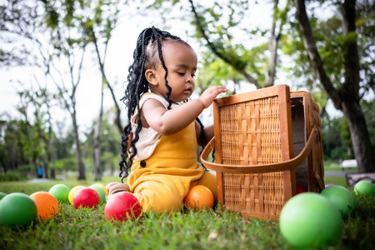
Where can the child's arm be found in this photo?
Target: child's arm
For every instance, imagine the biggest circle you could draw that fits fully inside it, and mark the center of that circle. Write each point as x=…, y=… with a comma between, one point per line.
x=171, y=121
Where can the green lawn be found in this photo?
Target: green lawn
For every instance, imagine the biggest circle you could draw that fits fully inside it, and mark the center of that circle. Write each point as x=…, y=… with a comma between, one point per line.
x=214, y=229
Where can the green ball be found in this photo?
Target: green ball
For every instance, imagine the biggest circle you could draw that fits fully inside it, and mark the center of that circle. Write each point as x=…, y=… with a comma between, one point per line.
x=310, y=220
x=17, y=209
x=2, y=195
x=364, y=188
x=343, y=199
x=61, y=192
x=100, y=192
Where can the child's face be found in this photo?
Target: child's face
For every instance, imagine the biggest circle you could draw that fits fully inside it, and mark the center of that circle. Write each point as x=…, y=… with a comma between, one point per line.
x=181, y=62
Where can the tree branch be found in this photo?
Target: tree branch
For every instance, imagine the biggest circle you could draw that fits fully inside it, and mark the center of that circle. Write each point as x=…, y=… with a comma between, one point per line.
x=105, y=80
x=313, y=54
x=217, y=52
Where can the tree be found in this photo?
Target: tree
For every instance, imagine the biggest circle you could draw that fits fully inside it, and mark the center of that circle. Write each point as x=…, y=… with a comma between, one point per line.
x=29, y=136
x=38, y=103
x=345, y=94
x=334, y=140
x=98, y=21
x=69, y=48
x=73, y=25
x=59, y=55
x=109, y=135
x=10, y=148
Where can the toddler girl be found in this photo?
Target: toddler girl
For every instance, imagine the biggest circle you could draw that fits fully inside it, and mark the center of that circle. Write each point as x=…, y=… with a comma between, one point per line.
x=159, y=145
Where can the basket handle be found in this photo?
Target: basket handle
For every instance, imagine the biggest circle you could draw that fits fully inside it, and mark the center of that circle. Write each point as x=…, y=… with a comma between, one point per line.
x=265, y=168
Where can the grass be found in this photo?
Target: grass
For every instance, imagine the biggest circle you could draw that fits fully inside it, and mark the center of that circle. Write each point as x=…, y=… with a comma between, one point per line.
x=214, y=229
x=337, y=181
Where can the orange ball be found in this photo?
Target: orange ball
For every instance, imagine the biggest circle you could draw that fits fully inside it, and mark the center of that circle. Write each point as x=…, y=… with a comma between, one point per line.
x=199, y=197
x=47, y=204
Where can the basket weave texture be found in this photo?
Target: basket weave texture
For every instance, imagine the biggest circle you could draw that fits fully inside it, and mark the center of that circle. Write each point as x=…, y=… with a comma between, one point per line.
x=250, y=135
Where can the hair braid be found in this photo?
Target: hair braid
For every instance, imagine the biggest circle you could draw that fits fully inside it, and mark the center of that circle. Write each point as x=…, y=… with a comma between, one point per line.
x=160, y=52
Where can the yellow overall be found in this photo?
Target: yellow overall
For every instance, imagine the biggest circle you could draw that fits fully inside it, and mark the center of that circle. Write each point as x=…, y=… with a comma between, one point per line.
x=162, y=181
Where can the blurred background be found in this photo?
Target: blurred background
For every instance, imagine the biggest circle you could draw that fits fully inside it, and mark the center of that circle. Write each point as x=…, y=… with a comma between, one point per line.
x=64, y=63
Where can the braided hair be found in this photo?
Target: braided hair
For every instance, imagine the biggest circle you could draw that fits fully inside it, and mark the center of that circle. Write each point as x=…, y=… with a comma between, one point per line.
x=149, y=43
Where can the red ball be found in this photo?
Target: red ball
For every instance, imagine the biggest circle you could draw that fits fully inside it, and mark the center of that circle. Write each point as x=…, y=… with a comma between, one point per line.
x=122, y=206
x=86, y=197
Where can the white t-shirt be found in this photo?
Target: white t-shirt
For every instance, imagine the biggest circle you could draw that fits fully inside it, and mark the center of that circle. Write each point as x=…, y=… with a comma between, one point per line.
x=148, y=138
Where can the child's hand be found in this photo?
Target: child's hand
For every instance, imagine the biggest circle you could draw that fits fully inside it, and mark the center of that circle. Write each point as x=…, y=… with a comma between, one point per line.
x=209, y=95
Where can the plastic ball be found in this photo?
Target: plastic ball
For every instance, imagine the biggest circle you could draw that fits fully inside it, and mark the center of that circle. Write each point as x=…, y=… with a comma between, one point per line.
x=328, y=185
x=72, y=192
x=61, y=192
x=109, y=185
x=47, y=204
x=2, y=195
x=86, y=197
x=364, y=188
x=17, y=209
x=121, y=207
x=310, y=220
x=101, y=193
x=102, y=186
x=199, y=197
x=343, y=199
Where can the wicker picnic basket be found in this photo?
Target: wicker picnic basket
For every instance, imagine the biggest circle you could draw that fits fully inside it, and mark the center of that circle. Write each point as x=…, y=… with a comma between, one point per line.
x=254, y=157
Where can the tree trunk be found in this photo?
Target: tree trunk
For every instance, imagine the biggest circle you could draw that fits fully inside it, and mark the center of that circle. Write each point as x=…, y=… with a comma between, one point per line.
x=101, y=62
x=347, y=98
x=49, y=156
x=53, y=174
x=273, y=45
x=3, y=165
x=360, y=137
x=97, y=150
x=80, y=165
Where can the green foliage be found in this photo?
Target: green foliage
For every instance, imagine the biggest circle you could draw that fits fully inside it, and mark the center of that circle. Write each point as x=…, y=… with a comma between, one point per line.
x=10, y=147
x=330, y=40
x=69, y=163
x=336, y=139
x=12, y=176
x=369, y=111
x=27, y=168
x=52, y=17
x=21, y=144
x=215, y=72
x=237, y=46
x=337, y=143
x=109, y=144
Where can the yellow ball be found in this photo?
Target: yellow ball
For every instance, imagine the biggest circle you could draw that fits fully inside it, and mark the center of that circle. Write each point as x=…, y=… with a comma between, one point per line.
x=72, y=192
x=102, y=186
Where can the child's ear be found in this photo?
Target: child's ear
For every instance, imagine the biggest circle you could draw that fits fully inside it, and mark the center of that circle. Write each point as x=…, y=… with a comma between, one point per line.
x=150, y=75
